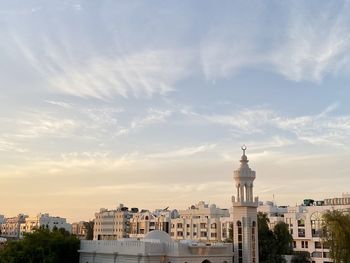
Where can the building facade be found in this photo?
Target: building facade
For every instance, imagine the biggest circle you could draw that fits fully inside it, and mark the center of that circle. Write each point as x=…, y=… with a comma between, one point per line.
x=245, y=229
x=11, y=227
x=112, y=224
x=201, y=222
x=144, y=222
x=305, y=223
x=43, y=221
x=79, y=229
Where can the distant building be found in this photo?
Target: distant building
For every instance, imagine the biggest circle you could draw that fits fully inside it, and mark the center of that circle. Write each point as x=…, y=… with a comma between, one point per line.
x=145, y=221
x=305, y=224
x=157, y=246
x=112, y=224
x=11, y=227
x=79, y=229
x=43, y=220
x=200, y=222
x=2, y=219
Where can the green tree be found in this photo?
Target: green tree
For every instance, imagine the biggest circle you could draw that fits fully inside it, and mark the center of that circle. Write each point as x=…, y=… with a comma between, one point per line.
x=283, y=239
x=273, y=244
x=337, y=235
x=301, y=257
x=42, y=246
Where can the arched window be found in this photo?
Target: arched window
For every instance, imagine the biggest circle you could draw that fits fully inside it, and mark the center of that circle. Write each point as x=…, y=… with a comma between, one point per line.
x=253, y=241
x=240, y=241
x=316, y=224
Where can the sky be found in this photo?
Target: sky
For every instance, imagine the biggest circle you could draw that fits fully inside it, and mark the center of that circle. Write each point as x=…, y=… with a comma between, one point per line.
x=147, y=103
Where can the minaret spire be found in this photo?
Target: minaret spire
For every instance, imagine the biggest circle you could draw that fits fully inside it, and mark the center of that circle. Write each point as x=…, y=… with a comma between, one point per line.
x=245, y=233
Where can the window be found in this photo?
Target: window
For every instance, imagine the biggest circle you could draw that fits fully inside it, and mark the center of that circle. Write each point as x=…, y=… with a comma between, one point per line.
x=213, y=234
x=203, y=234
x=318, y=244
x=301, y=223
x=179, y=225
x=316, y=224
x=203, y=225
x=294, y=244
x=213, y=226
x=301, y=232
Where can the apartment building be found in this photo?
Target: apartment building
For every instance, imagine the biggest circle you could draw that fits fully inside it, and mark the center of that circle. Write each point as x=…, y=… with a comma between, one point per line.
x=11, y=227
x=112, y=224
x=199, y=222
x=79, y=229
x=43, y=220
x=145, y=221
x=305, y=223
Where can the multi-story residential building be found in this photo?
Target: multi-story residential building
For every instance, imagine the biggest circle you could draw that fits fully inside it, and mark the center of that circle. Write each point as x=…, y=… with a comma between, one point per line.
x=145, y=221
x=43, y=220
x=199, y=222
x=305, y=224
x=11, y=227
x=112, y=224
x=79, y=229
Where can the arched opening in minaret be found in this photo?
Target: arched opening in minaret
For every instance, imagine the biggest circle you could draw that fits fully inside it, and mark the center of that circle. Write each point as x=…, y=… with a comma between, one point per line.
x=240, y=241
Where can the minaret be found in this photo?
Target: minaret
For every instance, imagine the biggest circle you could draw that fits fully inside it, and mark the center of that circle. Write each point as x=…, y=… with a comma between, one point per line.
x=245, y=227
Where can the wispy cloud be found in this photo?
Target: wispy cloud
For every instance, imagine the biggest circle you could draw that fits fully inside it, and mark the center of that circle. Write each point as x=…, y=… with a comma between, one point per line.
x=183, y=152
x=314, y=44
x=153, y=116
x=319, y=129
x=8, y=146
x=146, y=73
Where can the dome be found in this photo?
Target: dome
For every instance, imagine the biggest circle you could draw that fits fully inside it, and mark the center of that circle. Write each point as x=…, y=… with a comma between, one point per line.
x=158, y=235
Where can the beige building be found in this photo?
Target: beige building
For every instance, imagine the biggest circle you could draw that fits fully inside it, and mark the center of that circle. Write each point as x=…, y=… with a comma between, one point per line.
x=200, y=222
x=79, y=229
x=11, y=227
x=145, y=221
x=112, y=224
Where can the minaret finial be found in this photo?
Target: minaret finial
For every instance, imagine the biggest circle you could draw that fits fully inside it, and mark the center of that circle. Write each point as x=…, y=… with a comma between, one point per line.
x=244, y=147
x=244, y=158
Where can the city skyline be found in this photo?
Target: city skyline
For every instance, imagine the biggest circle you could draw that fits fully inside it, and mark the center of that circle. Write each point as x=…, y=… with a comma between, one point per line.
x=148, y=104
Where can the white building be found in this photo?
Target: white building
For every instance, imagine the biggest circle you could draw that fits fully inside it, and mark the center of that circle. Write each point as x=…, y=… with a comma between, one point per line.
x=156, y=247
x=245, y=231
x=112, y=224
x=43, y=220
x=200, y=222
x=305, y=223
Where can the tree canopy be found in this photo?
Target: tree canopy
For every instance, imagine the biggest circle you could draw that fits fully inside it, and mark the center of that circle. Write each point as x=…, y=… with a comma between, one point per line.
x=337, y=235
x=273, y=243
x=42, y=246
